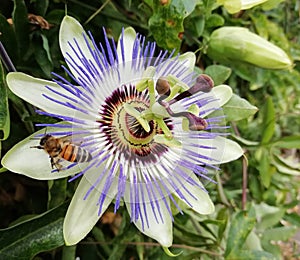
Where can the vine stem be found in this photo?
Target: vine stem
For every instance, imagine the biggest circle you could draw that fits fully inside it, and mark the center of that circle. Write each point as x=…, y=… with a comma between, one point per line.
x=245, y=171
x=110, y=15
x=6, y=59
x=152, y=244
x=245, y=183
x=97, y=12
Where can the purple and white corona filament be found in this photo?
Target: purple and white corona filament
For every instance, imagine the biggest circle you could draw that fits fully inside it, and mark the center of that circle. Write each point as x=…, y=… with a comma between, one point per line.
x=144, y=120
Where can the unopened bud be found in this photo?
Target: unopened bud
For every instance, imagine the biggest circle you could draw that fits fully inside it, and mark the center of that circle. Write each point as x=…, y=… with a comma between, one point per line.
x=237, y=44
x=234, y=6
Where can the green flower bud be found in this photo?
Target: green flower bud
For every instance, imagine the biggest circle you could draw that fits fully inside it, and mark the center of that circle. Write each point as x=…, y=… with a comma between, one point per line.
x=237, y=44
x=234, y=6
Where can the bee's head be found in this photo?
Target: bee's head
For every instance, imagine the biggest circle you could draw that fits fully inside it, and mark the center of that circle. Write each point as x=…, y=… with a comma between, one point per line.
x=44, y=139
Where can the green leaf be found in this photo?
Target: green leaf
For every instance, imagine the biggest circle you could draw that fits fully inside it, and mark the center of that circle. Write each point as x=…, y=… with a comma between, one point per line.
x=238, y=108
x=279, y=233
x=68, y=252
x=288, y=142
x=218, y=73
x=270, y=4
x=286, y=166
x=8, y=38
x=223, y=218
x=268, y=121
x=42, y=53
x=253, y=255
x=21, y=26
x=100, y=237
x=192, y=237
x=195, y=26
x=271, y=219
x=56, y=192
x=264, y=209
x=41, y=233
x=4, y=111
x=260, y=22
x=245, y=141
x=214, y=20
x=241, y=225
x=253, y=242
x=262, y=155
x=41, y=7
x=166, y=24
x=22, y=110
x=119, y=244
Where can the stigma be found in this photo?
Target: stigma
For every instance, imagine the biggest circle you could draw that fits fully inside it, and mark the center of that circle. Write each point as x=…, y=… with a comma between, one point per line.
x=168, y=91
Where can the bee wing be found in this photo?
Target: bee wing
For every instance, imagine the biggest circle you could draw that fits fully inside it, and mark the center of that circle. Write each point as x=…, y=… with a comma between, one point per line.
x=71, y=139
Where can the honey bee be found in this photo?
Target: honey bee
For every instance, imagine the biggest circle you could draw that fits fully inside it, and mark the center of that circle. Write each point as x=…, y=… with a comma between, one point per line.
x=62, y=148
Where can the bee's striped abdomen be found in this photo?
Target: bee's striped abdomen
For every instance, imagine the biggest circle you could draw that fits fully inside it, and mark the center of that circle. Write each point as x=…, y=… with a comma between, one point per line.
x=82, y=155
x=73, y=153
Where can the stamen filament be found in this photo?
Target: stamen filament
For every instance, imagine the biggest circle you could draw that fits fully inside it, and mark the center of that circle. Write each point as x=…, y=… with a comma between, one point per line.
x=151, y=92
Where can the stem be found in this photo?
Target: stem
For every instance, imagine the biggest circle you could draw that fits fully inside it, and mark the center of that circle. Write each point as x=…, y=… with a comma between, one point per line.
x=245, y=183
x=116, y=16
x=221, y=190
x=97, y=12
x=153, y=244
x=6, y=59
x=245, y=172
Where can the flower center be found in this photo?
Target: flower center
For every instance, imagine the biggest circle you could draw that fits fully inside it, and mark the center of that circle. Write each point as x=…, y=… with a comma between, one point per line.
x=124, y=133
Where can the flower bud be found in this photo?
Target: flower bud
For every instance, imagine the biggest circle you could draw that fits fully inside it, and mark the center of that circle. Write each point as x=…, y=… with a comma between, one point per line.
x=234, y=6
x=237, y=44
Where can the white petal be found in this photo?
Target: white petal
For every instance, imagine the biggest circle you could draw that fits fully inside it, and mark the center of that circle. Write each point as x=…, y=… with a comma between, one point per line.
x=198, y=199
x=223, y=93
x=83, y=214
x=35, y=163
x=224, y=150
x=128, y=41
x=71, y=29
x=183, y=64
x=189, y=60
x=220, y=95
x=232, y=151
x=33, y=90
x=161, y=232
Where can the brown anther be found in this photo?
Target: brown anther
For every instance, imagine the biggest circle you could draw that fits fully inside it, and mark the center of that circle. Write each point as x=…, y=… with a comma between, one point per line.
x=162, y=86
x=197, y=123
x=205, y=83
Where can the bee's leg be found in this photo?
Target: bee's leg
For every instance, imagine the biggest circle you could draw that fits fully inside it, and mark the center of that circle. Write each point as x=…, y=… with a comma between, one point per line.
x=55, y=162
x=52, y=161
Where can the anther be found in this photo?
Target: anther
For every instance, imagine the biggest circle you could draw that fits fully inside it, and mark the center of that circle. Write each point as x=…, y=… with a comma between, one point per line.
x=162, y=87
x=203, y=83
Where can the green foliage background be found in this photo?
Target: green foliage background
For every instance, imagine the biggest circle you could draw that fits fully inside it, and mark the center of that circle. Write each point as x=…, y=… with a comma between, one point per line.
x=256, y=198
